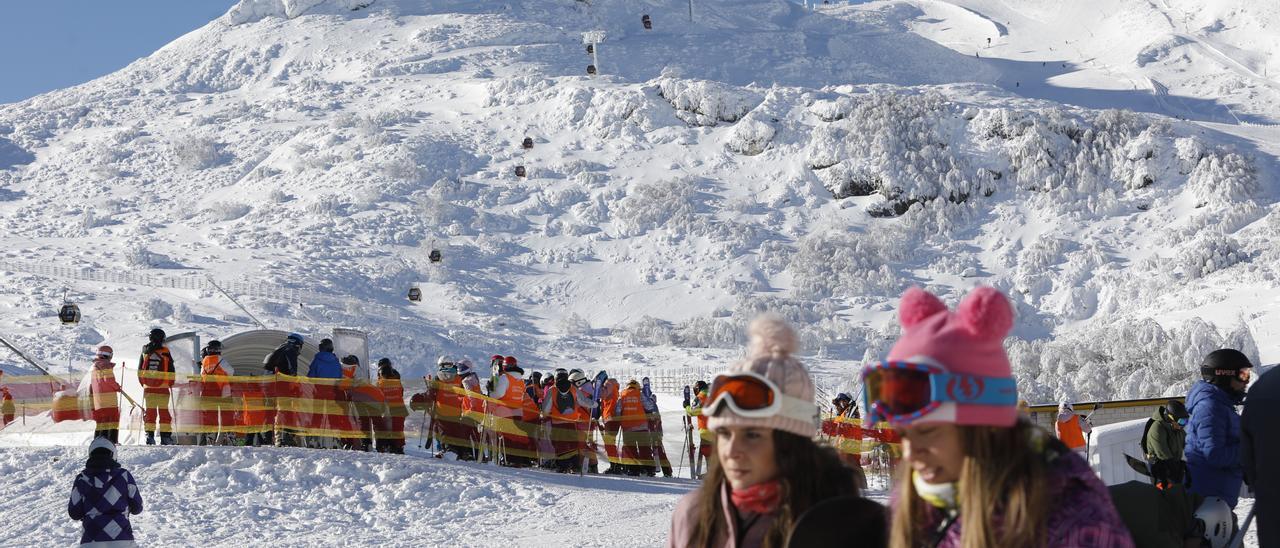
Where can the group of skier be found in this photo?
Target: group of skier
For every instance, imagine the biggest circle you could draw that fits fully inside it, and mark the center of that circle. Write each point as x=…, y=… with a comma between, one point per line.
x=975, y=470
x=555, y=421
x=345, y=411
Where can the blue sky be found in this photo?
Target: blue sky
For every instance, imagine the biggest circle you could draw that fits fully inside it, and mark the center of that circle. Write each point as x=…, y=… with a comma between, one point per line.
x=51, y=44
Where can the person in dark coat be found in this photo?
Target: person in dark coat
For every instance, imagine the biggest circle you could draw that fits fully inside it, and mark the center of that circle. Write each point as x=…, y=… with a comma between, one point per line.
x=102, y=498
x=284, y=359
x=1158, y=518
x=1164, y=441
x=1213, y=433
x=1260, y=455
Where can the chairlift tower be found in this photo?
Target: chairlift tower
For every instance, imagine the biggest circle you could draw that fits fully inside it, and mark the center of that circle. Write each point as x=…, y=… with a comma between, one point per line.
x=593, y=39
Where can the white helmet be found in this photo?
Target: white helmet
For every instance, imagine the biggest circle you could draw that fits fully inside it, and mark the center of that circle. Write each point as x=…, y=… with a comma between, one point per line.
x=102, y=443
x=577, y=376
x=444, y=360
x=1218, y=522
x=465, y=367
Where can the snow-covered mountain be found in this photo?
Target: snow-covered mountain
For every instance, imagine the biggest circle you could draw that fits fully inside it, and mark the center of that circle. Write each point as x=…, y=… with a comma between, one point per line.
x=759, y=156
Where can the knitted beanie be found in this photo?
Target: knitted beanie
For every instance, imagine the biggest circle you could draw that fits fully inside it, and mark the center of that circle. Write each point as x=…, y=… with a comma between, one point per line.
x=772, y=342
x=969, y=340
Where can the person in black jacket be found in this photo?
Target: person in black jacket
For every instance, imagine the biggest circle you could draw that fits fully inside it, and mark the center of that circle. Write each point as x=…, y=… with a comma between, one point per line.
x=1260, y=454
x=284, y=361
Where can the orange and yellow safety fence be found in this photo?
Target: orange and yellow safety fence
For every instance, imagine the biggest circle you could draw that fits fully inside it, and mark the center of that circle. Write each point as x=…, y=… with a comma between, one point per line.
x=855, y=438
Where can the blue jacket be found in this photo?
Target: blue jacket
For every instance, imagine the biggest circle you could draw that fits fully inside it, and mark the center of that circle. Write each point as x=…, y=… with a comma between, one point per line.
x=1213, y=443
x=325, y=366
x=102, y=499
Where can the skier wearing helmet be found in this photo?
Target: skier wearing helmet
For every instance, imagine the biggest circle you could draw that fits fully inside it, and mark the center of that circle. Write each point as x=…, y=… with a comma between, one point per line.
x=975, y=472
x=105, y=393
x=156, y=375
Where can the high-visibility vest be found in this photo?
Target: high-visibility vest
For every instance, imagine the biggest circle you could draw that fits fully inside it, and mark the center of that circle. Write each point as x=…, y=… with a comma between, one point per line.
x=573, y=414
x=451, y=399
x=1070, y=433
x=609, y=400
x=393, y=393
x=630, y=409
x=211, y=366
x=158, y=368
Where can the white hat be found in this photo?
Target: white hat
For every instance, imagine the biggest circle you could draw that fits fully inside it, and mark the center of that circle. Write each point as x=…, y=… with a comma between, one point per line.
x=102, y=443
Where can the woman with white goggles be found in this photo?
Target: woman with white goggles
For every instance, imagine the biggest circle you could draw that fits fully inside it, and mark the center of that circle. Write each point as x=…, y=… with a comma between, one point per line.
x=768, y=483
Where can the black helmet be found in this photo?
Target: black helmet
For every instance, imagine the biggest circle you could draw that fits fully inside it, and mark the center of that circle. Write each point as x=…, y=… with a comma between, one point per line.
x=326, y=345
x=351, y=359
x=1176, y=410
x=699, y=386
x=157, y=335
x=1223, y=365
x=384, y=362
x=214, y=346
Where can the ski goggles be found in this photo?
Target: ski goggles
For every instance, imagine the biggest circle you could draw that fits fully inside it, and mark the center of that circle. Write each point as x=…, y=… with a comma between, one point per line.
x=752, y=395
x=1181, y=422
x=902, y=392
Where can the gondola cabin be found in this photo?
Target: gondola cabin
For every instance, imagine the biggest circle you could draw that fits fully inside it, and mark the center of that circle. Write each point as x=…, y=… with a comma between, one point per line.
x=69, y=314
x=435, y=256
x=528, y=143
x=591, y=49
x=591, y=70
x=647, y=22
x=520, y=172
x=415, y=294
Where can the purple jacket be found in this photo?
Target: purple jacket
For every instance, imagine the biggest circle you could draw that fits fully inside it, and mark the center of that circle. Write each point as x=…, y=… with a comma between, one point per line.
x=1083, y=514
x=102, y=499
x=752, y=537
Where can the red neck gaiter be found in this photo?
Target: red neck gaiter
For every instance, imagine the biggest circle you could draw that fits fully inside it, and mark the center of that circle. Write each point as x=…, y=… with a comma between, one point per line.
x=761, y=498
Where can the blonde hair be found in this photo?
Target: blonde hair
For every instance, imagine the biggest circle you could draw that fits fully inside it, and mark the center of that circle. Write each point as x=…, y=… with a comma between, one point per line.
x=1002, y=484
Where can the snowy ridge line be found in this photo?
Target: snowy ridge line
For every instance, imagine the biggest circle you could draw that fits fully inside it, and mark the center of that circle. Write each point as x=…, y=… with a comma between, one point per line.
x=199, y=283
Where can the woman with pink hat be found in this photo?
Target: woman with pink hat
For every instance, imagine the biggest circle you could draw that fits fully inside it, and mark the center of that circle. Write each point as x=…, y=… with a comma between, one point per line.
x=974, y=472
x=765, y=471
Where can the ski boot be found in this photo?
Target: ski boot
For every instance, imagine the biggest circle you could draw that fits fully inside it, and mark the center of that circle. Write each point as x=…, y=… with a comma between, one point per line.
x=151, y=438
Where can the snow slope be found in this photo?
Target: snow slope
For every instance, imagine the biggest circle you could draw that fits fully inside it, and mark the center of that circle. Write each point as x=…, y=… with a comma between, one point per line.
x=298, y=497
x=762, y=157
x=1193, y=59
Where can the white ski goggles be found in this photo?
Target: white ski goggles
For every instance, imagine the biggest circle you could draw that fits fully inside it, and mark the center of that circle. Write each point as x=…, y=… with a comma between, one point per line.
x=752, y=395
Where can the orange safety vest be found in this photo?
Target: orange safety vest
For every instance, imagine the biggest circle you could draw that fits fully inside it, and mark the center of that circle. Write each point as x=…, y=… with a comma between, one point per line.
x=159, y=368
x=571, y=416
x=702, y=407
x=513, y=399
x=630, y=409
x=254, y=407
x=393, y=393
x=211, y=366
x=609, y=400
x=451, y=399
x=1070, y=433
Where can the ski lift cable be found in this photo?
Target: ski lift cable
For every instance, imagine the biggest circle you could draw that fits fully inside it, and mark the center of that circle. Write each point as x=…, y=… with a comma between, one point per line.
x=237, y=303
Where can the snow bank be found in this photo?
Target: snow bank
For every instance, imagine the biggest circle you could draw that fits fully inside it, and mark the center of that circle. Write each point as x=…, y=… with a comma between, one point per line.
x=297, y=497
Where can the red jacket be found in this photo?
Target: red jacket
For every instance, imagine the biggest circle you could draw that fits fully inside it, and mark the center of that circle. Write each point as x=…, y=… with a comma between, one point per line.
x=158, y=368
x=104, y=391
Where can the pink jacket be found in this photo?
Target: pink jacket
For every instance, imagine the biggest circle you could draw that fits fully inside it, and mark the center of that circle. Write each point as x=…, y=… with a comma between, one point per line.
x=752, y=537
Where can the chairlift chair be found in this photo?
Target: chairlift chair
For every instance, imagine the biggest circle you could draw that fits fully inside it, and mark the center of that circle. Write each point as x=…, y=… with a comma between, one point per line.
x=415, y=294
x=69, y=314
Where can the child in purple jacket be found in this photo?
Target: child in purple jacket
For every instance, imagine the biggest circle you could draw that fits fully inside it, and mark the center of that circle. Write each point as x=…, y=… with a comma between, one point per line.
x=102, y=497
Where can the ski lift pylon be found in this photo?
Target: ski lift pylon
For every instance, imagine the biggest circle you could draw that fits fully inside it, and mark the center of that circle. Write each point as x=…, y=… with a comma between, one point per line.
x=415, y=294
x=69, y=314
x=647, y=22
